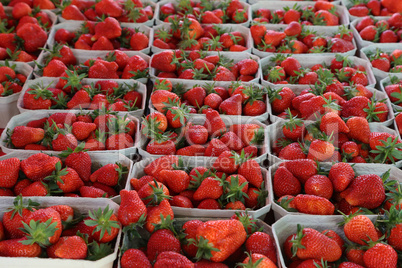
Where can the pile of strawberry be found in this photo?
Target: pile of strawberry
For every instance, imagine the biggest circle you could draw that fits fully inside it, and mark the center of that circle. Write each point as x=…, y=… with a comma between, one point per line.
x=189, y=34
x=198, y=65
x=103, y=35
x=176, y=134
x=387, y=62
x=362, y=8
x=99, y=130
x=11, y=81
x=331, y=139
x=381, y=31
x=23, y=32
x=155, y=236
x=123, y=11
x=366, y=244
x=322, y=13
x=232, y=11
x=315, y=101
x=302, y=186
x=56, y=232
x=342, y=71
x=41, y=4
x=71, y=92
x=298, y=39
x=44, y=175
x=233, y=182
x=115, y=65
x=394, y=90
x=236, y=99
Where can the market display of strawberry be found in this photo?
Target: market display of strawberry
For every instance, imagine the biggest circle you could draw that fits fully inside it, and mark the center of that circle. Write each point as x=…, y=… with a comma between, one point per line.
x=71, y=92
x=100, y=130
x=356, y=101
x=386, y=62
x=103, y=35
x=331, y=139
x=176, y=134
x=114, y=65
x=302, y=186
x=189, y=34
x=341, y=72
x=23, y=32
x=322, y=13
x=297, y=38
x=236, y=184
x=380, y=31
x=237, y=98
x=11, y=81
x=123, y=11
x=57, y=232
x=44, y=175
x=199, y=65
x=155, y=236
x=368, y=243
x=206, y=12
x=362, y=8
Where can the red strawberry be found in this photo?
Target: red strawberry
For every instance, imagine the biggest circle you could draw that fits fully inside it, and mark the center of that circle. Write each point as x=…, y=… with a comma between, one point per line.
x=134, y=258
x=39, y=166
x=68, y=247
x=9, y=169
x=284, y=183
x=132, y=209
x=161, y=241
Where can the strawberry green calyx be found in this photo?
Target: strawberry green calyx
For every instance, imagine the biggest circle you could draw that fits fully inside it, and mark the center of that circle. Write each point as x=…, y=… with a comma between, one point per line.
x=79, y=148
x=197, y=179
x=386, y=222
x=285, y=202
x=97, y=251
x=293, y=122
x=250, y=263
x=73, y=80
x=39, y=232
x=250, y=224
x=101, y=220
x=234, y=191
x=18, y=206
x=296, y=242
x=204, y=248
x=41, y=91
x=166, y=223
x=121, y=170
x=390, y=150
x=157, y=195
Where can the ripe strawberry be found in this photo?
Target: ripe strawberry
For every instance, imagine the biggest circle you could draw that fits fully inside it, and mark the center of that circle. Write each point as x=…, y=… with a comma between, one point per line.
x=164, y=162
x=160, y=97
x=311, y=244
x=214, y=124
x=22, y=136
x=33, y=35
x=9, y=170
x=164, y=61
x=92, y=192
x=176, y=180
x=43, y=216
x=359, y=229
x=274, y=38
x=359, y=129
x=227, y=162
x=365, y=191
x=341, y=174
x=109, y=174
x=281, y=99
x=319, y=185
x=68, y=247
x=262, y=243
x=210, y=188
x=332, y=123
x=161, y=241
x=134, y=258
x=251, y=170
x=291, y=65
x=66, y=179
x=380, y=255
x=19, y=248
x=312, y=204
x=39, y=166
x=284, y=183
x=320, y=150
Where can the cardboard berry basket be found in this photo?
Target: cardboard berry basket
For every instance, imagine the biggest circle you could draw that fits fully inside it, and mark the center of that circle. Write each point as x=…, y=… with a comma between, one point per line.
x=274, y=132
x=98, y=160
x=180, y=221
x=385, y=47
x=188, y=84
x=235, y=56
x=321, y=31
x=74, y=26
x=215, y=3
x=310, y=61
x=359, y=40
x=23, y=119
x=379, y=95
x=387, y=81
x=360, y=169
x=83, y=56
x=81, y=205
x=227, y=27
x=51, y=81
x=274, y=5
x=148, y=23
x=8, y=104
x=287, y=226
x=200, y=120
x=138, y=172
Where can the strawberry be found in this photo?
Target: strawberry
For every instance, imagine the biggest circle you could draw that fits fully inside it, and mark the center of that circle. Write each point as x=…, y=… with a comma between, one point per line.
x=82, y=130
x=19, y=248
x=281, y=99
x=176, y=180
x=162, y=241
x=109, y=174
x=312, y=204
x=190, y=230
x=48, y=216
x=215, y=148
x=92, y=192
x=320, y=150
x=164, y=162
x=9, y=172
x=359, y=229
x=319, y=185
x=232, y=105
x=68, y=247
x=39, y=166
x=196, y=134
x=164, y=61
x=341, y=174
x=33, y=35
x=232, y=141
x=380, y=255
x=64, y=140
x=227, y=162
x=160, y=214
x=210, y=188
x=307, y=244
x=252, y=172
x=161, y=98
x=359, y=129
x=66, y=179
x=132, y=209
x=214, y=124
x=134, y=258
x=274, y=38
x=262, y=243
x=291, y=65
x=332, y=123
x=284, y=183
x=212, y=233
x=22, y=136
x=368, y=197
x=81, y=99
